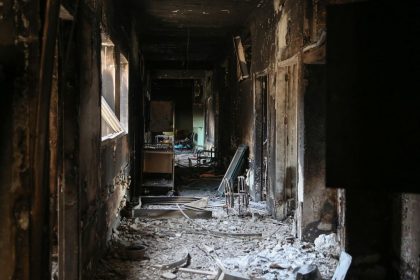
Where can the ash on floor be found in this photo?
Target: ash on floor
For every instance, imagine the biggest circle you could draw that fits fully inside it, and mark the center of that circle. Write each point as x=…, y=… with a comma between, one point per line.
x=275, y=255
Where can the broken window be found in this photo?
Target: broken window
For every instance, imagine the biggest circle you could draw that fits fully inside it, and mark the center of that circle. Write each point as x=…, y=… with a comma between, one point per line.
x=124, y=92
x=242, y=65
x=114, y=102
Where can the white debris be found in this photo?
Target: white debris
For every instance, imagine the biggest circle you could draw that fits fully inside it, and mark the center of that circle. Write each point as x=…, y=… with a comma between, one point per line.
x=168, y=275
x=327, y=244
x=274, y=256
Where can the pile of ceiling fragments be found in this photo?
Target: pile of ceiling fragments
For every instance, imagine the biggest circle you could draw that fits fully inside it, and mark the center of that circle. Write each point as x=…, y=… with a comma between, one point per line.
x=223, y=247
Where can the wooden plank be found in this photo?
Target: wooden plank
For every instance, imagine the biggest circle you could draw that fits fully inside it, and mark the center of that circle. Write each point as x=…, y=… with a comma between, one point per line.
x=315, y=55
x=240, y=55
x=168, y=199
x=290, y=61
x=65, y=14
x=170, y=213
x=195, y=271
x=227, y=234
x=343, y=266
x=39, y=212
x=69, y=188
x=158, y=183
x=55, y=161
x=183, y=261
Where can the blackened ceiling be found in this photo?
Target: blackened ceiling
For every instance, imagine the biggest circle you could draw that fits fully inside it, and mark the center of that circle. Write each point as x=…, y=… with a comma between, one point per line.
x=189, y=34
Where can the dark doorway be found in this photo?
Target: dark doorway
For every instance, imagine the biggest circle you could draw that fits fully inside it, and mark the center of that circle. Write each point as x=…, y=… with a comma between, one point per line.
x=261, y=133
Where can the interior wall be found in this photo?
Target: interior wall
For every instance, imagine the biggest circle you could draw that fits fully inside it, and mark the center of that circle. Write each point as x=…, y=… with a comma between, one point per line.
x=320, y=203
x=89, y=142
x=114, y=183
x=7, y=198
x=276, y=34
x=222, y=74
x=366, y=153
x=180, y=92
x=211, y=113
x=108, y=163
x=279, y=31
x=199, y=123
x=237, y=101
x=95, y=172
x=183, y=117
x=410, y=237
x=372, y=226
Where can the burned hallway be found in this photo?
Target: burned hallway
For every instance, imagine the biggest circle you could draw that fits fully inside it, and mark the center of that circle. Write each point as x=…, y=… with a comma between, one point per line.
x=258, y=136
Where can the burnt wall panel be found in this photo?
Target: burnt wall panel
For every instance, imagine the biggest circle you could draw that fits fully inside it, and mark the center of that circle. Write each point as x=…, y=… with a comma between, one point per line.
x=276, y=35
x=19, y=64
x=6, y=198
x=319, y=205
x=115, y=171
x=373, y=126
x=244, y=123
x=410, y=237
x=104, y=166
x=370, y=231
x=372, y=133
x=90, y=133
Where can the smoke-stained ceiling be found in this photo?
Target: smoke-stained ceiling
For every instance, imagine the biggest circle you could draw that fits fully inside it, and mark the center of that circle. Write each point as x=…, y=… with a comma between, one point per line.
x=189, y=34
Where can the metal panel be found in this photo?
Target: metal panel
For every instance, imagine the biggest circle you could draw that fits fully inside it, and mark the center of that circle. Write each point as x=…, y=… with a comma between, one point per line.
x=235, y=166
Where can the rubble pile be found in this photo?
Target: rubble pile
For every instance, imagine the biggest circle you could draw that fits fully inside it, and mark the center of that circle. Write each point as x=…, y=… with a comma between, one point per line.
x=255, y=246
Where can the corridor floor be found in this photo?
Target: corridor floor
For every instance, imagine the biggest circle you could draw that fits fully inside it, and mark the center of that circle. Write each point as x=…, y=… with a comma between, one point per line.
x=274, y=255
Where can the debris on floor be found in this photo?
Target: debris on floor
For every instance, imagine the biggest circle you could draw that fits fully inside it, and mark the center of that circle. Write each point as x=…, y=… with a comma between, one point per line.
x=343, y=266
x=254, y=246
x=308, y=272
x=328, y=244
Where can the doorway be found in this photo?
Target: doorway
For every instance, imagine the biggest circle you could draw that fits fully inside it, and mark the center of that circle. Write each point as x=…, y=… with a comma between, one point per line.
x=261, y=135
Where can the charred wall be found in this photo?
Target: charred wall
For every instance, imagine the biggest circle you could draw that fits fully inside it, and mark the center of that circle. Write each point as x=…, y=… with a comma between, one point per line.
x=237, y=100
x=276, y=32
x=371, y=119
x=410, y=237
x=89, y=132
x=279, y=30
x=112, y=197
x=109, y=163
x=92, y=176
x=241, y=107
x=319, y=204
x=19, y=61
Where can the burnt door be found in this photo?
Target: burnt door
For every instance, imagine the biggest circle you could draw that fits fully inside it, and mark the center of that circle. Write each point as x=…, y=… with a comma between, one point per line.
x=287, y=166
x=290, y=122
x=264, y=139
x=261, y=137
